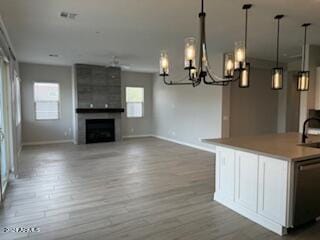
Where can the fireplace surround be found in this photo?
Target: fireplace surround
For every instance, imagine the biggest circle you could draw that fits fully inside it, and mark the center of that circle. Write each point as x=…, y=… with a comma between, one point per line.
x=97, y=97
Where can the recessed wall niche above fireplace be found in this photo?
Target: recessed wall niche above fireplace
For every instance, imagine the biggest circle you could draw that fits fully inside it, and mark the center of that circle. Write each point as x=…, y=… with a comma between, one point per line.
x=98, y=98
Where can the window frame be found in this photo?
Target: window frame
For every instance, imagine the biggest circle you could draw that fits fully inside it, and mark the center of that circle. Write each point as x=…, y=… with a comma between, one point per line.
x=35, y=102
x=142, y=103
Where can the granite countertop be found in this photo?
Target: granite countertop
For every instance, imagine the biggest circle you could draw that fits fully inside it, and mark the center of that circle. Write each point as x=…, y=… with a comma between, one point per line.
x=283, y=146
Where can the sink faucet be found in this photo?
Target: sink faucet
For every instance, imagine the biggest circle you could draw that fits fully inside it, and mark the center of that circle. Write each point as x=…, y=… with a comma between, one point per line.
x=304, y=133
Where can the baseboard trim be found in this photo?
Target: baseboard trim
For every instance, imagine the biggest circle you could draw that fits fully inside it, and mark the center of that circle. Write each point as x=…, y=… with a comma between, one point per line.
x=47, y=142
x=137, y=136
x=185, y=144
x=253, y=216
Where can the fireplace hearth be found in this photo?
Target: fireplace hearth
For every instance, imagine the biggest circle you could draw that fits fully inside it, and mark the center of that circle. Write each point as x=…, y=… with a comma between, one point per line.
x=100, y=130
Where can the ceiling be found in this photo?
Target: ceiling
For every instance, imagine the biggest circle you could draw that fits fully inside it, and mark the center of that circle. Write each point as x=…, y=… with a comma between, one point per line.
x=136, y=30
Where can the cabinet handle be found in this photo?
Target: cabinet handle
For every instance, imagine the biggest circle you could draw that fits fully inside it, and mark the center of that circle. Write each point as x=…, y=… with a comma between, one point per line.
x=309, y=167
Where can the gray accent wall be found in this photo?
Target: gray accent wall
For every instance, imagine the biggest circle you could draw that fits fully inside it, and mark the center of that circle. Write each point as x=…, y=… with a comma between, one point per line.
x=98, y=85
x=35, y=131
x=254, y=110
x=138, y=126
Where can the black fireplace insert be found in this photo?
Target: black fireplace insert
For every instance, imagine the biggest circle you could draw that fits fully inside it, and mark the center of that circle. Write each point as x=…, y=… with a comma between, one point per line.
x=100, y=130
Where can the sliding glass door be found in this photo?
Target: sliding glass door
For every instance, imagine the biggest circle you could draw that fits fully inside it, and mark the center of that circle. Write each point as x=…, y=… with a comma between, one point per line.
x=4, y=123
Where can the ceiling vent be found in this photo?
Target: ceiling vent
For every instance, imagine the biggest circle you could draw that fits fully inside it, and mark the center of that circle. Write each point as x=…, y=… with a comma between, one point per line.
x=68, y=15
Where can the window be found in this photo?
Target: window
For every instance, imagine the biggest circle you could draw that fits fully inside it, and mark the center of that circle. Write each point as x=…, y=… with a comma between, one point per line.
x=46, y=101
x=18, y=101
x=135, y=100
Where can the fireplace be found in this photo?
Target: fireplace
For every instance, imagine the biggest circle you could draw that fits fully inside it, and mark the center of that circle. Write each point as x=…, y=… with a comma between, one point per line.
x=100, y=130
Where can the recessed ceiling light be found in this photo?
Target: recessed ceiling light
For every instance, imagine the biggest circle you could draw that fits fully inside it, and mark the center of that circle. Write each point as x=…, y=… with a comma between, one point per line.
x=53, y=55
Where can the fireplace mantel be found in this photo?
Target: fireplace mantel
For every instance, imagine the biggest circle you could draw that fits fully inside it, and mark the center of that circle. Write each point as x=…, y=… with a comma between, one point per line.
x=99, y=110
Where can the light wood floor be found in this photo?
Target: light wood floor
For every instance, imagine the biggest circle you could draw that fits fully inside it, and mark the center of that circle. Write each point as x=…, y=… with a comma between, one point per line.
x=137, y=189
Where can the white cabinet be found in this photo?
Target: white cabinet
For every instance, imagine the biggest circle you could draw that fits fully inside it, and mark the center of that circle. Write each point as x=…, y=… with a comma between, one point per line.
x=273, y=189
x=225, y=164
x=255, y=186
x=247, y=180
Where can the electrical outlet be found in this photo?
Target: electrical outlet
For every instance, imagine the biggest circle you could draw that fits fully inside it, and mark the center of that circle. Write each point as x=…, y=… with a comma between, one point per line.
x=173, y=133
x=132, y=130
x=65, y=133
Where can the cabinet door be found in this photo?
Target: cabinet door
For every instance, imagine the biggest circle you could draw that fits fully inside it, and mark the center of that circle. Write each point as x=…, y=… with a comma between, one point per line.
x=225, y=165
x=247, y=180
x=273, y=189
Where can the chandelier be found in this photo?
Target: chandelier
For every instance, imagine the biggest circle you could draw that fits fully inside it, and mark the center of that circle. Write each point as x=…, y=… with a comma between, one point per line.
x=236, y=67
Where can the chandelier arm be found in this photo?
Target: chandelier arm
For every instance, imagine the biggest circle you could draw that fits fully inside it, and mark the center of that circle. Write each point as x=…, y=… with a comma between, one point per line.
x=214, y=82
x=196, y=82
x=179, y=82
x=223, y=82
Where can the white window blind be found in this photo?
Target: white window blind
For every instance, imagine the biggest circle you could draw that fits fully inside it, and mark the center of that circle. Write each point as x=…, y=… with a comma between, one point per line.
x=135, y=102
x=47, y=101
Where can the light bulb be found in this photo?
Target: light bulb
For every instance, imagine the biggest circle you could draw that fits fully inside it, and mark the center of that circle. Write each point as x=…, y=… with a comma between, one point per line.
x=190, y=53
x=277, y=78
x=245, y=77
x=164, y=64
x=229, y=65
x=239, y=55
x=303, y=81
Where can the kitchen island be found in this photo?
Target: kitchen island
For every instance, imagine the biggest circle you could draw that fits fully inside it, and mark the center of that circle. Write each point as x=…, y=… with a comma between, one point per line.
x=264, y=178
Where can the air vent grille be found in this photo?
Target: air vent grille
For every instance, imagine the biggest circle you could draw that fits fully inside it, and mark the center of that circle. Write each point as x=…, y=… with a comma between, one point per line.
x=68, y=15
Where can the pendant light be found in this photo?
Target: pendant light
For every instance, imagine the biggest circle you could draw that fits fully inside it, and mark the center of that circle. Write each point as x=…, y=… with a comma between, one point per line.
x=241, y=54
x=277, y=72
x=304, y=75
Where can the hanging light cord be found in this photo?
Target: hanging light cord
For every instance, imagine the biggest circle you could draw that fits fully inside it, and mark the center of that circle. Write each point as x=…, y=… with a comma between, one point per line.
x=246, y=34
x=304, y=47
x=278, y=36
x=202, y=6
x=278, y=18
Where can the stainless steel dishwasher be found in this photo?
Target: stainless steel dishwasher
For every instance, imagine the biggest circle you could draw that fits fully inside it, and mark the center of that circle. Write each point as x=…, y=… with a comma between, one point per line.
x=306, y=191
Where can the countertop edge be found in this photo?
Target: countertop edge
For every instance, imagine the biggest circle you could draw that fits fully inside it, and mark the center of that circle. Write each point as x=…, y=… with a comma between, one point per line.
x=209, y=141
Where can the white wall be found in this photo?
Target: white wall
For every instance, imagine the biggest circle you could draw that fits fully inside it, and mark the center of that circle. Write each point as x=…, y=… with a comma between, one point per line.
x=138, y=126
x=187, y=114
x=34, y=131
